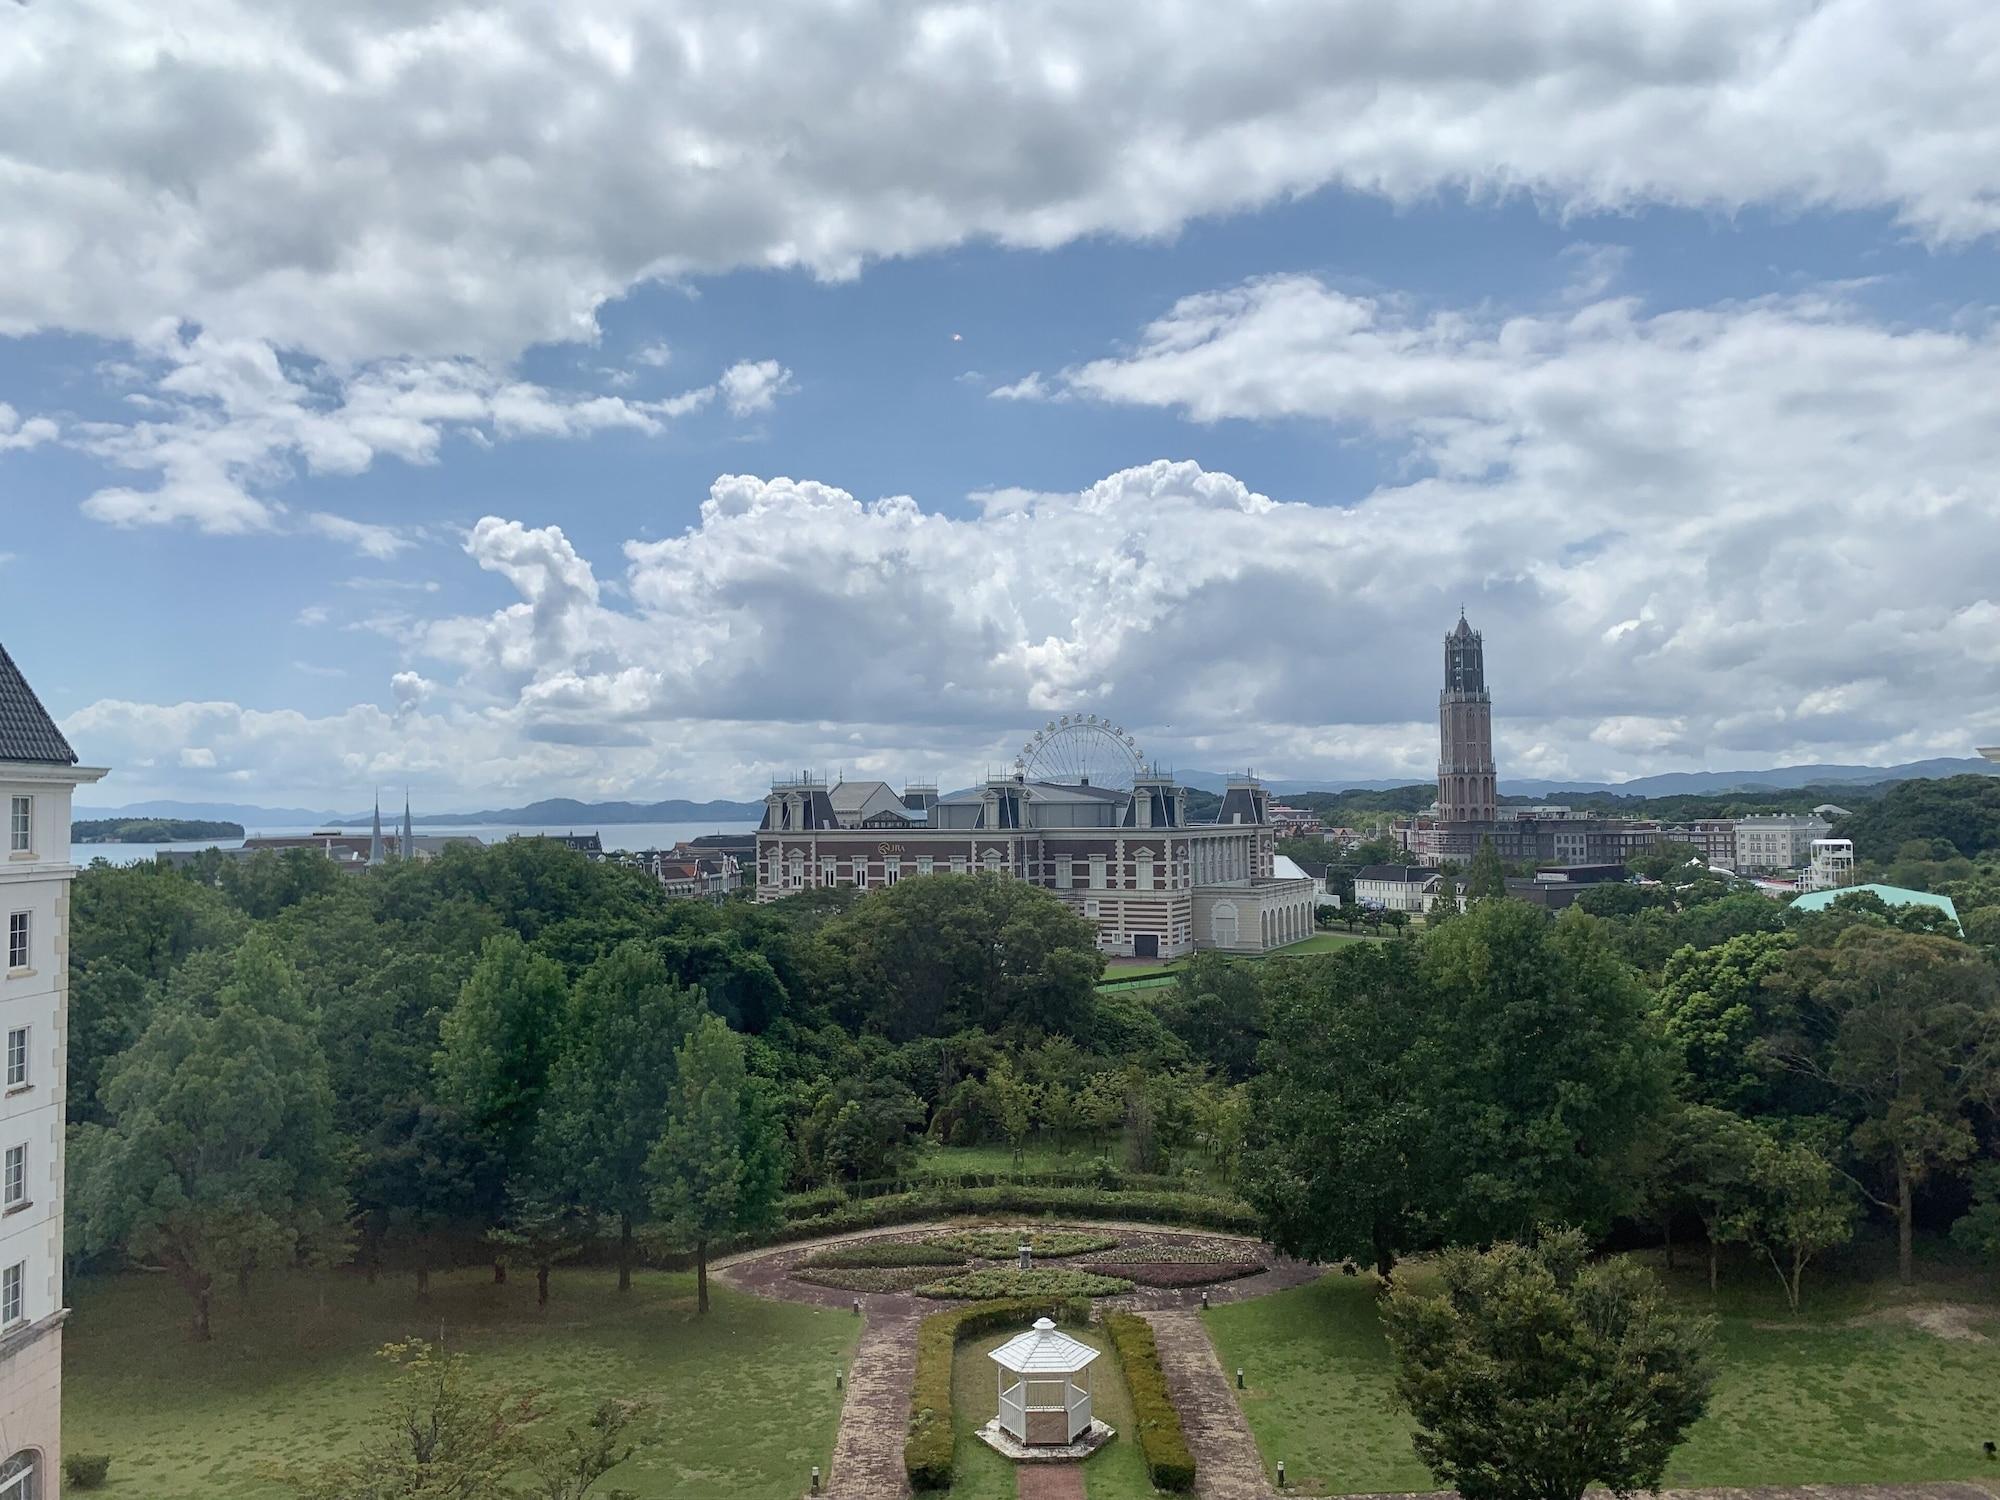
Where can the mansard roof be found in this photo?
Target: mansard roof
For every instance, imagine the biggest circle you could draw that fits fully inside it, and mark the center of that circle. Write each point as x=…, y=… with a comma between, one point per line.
x=26, y=730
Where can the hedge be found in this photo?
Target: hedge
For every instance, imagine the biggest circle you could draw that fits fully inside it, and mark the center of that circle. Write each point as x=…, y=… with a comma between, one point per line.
x=1162, y=1444
x=927, y=1450
x=1174, y=1273
x=870, y=1278
x=1193, y=1210
x=86, y=1471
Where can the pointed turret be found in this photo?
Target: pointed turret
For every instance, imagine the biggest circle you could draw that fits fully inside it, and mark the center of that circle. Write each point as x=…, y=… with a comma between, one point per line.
x=375, y=834
x=408, y=849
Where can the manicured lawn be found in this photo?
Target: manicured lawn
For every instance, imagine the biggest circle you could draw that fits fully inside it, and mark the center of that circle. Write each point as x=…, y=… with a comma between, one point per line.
x=933, y=1160
x=1855, y=1392
x=742, y=1404
x=1120, y=976
x=1115, y=1472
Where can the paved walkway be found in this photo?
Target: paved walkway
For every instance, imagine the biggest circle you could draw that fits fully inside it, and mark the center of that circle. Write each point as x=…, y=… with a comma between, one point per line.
x=1944, y=1490
x=1226, y=1462
x=875, y=1418
x=1048, y=1481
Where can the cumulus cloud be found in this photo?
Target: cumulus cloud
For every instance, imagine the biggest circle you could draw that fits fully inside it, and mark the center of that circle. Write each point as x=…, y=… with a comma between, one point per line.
x=359, y=182
x=753, y=386
x=16, y=434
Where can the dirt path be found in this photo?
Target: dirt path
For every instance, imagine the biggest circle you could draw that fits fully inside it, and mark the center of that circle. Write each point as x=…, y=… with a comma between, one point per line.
x=1226, y=1463
x=1048, y=1482
x=868, y=1454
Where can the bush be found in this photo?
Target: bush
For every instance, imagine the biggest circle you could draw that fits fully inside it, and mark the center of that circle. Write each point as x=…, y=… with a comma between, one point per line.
x=869, y=1278
x=86, y=1471
x=1176, y=1272
x=1195, y=1210
x=875, y=1254
x=1003, y=1244
x=1162, y=1444
x=1014, y=1283
x=927, y=1450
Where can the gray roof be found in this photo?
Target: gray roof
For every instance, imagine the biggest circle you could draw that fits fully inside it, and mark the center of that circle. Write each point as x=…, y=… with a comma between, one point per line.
x=1400, y=874
x=26, y=730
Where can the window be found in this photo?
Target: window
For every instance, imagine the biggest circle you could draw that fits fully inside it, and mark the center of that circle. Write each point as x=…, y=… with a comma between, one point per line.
x=892, y=870
x=13, y=1308
x=925, y=864
x=992, y=861
x=958, y=864
x=829, y=871
x=17, y=940
x=1142, y=872
x=17, y=1475
x=1097, y=872
x=14, y=1179
x=21, y=825
x=797, y=878
x=17, y=1057
x=1064, y=872
x=1090, y=908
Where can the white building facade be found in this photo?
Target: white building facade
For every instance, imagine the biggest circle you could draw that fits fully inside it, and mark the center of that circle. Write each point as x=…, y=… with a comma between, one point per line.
x=38, y=773
x=1777, y=841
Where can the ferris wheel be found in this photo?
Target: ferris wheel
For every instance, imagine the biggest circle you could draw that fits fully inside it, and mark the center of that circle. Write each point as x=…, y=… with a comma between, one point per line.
x=1079, y=748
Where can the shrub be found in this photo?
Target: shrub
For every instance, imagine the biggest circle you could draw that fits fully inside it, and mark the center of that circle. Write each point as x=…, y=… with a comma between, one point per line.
x=869, y=1278
x=86, y=1471
x=875, y=1254
x=1176, y=1272
x=927, y=1450
x=1014, y=1283
x=1003, y=1244
x=1162, y=1444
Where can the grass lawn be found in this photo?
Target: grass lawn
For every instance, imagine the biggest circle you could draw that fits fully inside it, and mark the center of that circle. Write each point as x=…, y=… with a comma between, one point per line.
x=1854, y=1392
x=742, y=1404
x=933, y=1160
x=1119, y=976
x=1115, y=1472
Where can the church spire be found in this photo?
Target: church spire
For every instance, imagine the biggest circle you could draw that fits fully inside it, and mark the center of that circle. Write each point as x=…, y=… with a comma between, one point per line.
x=408, y=850
x=375, y=833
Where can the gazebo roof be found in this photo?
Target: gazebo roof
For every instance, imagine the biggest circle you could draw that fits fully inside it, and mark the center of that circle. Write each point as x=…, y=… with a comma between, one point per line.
x=1043, y=1350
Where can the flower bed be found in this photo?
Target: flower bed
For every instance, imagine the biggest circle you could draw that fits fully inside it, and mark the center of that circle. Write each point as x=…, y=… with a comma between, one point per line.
x=1006, y=1283
x=1005, y=1244
x=878, y=1254
x=1171, y=1273
x=868, y=1278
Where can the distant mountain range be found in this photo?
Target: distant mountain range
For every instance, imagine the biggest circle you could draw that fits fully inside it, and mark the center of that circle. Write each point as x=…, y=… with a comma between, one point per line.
x=567, y=812
x=1667, y=784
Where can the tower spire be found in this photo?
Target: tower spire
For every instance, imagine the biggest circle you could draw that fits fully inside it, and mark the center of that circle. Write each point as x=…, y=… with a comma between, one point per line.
x=375, y=832
x=409, y=845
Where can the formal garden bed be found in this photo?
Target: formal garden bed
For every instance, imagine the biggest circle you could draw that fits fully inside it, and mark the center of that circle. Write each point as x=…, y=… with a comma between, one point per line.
x=1005, y=1244
x=872, y=1279
x=1176, y=1273
x=1000, y=1281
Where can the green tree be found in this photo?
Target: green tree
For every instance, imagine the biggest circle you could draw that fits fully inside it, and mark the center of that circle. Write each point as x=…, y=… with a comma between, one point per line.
x=1486, y=877
x=1794, y=1209
x=109, y=1005
x=1014, y=1103
x=1707, y=1169
x=863, y=1124
x=219, y=1151
x=1217, y=1008
x=719, y=1166
x=1907, y=1028
x=1718, y=1009
x=1345, y=1114
x=498, y=1043
x=1101, y=1103
x=606, y=1102
x=1978, y=1229
x=1555, y=1075
x=1534, y=1373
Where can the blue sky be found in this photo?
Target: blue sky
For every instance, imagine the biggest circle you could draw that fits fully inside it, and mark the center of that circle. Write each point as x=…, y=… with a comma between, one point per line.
x=371, y=388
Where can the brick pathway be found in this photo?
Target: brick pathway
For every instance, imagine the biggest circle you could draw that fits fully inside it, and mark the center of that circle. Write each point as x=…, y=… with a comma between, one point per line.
x=875, y=1418
x=1226, y=1462
x=1048, y=1481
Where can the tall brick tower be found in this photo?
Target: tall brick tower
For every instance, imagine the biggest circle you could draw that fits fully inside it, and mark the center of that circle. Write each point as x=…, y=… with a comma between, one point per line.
x=1468, y=783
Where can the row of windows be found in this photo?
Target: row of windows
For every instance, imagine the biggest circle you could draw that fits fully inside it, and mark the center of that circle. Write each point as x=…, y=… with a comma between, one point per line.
x=21, y=825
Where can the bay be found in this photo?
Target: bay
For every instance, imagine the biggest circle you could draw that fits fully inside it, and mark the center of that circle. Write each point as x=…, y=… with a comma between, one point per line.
x=616, y=836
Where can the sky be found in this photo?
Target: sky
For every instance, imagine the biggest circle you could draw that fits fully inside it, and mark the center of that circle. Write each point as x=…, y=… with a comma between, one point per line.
x=635, y=400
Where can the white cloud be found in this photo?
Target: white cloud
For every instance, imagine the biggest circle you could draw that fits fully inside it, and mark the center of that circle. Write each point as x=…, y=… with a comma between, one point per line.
x=1723, y=536
x=228, y=418
x=16, y=434
x=197, y=758
x=753, y=386
x=365, y=537
x=655, y=355
x=359, y=182
x=1030, y=387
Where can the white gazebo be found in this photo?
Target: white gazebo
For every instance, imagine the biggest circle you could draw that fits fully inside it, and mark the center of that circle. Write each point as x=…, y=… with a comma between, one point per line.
x=1041, y=1402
